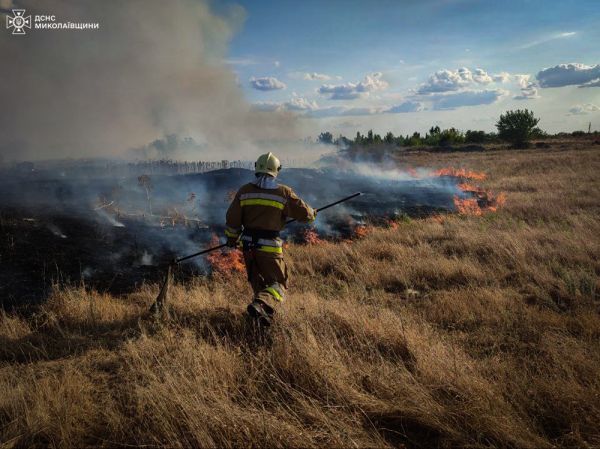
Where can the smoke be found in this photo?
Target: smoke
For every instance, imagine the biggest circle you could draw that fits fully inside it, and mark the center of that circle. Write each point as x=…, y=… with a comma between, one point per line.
x=153, y=69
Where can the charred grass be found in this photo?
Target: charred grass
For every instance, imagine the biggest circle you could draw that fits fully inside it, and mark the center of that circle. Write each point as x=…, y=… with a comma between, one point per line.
x=464, y=331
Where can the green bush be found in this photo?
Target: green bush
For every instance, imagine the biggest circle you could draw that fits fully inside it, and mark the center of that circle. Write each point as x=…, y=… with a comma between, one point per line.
x=518, y=127
x=451, y=136
x=475, y=136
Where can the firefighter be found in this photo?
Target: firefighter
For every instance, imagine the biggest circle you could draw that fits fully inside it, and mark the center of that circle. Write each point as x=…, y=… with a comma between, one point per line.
x=254, y=220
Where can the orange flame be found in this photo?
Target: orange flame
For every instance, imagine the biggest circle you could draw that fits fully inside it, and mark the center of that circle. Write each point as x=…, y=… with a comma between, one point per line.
x=467, y=206
x=466, y=187
x=412, y=172
x=481, y=200
x=311, y=237
x=225, y=261
x=361, y=231
x=460, y=173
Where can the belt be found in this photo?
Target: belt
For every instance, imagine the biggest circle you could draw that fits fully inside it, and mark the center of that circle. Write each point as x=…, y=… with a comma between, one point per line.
x=265, y=244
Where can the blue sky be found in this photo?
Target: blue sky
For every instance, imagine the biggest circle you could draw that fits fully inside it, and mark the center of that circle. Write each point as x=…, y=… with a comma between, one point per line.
x=348, y=65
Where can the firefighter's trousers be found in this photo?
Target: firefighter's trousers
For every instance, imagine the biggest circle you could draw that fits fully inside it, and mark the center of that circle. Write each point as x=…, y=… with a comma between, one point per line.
x=268, y=275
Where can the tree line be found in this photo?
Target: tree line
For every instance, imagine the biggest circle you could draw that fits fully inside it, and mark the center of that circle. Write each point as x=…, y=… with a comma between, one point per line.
x=515, y=127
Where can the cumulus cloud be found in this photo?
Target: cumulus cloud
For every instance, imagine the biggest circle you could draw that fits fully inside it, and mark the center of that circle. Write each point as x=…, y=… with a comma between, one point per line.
x=407, y=106
x=528, y=88
x=453, y=80
x=450, y=89
x=267, y=83
x=569, y=74
x=296, y=103
x=314, y=76
x=445, y=101
x=351, y=91
x=583, y=109
x=480, y=76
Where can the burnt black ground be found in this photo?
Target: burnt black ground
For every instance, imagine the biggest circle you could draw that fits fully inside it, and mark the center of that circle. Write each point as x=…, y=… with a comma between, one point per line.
x=51, y=233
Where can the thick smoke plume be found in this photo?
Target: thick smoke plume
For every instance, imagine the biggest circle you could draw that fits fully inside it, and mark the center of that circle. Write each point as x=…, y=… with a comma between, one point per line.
x=154, y=68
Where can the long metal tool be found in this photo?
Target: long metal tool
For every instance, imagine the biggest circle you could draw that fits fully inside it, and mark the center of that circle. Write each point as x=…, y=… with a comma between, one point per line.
x=161, y=299
x=291, y=220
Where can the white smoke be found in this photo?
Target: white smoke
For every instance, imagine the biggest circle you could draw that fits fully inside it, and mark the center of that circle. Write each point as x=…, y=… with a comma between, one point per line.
x=153, y=68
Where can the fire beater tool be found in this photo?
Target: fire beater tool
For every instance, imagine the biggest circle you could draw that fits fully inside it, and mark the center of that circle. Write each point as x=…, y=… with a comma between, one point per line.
x=161, y=299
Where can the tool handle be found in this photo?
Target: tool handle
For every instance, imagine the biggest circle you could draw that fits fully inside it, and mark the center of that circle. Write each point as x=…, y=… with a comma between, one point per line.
x=291, y=220
x=181, y=259
x=354, y=195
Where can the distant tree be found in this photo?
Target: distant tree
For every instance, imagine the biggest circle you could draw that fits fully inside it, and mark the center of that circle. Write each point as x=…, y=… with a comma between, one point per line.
x=359, y=138
x=389, y=138
x=326, y=138
x=451, y=136
x=400, y=141
x=342, y=141
x=415, y=140
x=517, y=127
x=370, y=136
x=434, y=130
x=475, y=136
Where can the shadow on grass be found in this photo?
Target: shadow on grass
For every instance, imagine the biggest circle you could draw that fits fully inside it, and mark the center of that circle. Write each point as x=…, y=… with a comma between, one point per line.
x=219, y=326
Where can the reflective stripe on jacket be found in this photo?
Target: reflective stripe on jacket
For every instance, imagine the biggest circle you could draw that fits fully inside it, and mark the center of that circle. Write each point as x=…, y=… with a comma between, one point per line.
x=265, y=209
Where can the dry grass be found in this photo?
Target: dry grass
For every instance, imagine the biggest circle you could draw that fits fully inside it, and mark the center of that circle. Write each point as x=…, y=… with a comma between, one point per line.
x=477, y=331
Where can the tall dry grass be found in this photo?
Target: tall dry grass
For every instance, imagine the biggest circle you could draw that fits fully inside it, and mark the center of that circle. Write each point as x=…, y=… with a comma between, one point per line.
x=473, y=331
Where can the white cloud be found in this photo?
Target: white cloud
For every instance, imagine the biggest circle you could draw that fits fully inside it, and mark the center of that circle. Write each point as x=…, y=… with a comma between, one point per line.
x=351, y=91
x=569, y=74
x=445, y=101
x=528, y=88
x=583, y=109
x=372, y=82
x=276, y=63
x=296, y=103
x=267, y=83
x=453, y=80
x=314, y=76
x=407, y=106
x=341, y=91
x=480, y=76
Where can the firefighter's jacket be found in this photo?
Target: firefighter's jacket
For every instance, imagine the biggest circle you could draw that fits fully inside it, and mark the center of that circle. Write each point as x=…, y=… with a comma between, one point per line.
x=259, y=214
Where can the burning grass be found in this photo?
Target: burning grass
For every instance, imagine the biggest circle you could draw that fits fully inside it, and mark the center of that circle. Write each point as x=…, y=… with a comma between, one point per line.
x=479, y=200
x=449, y=331
x=225, y=261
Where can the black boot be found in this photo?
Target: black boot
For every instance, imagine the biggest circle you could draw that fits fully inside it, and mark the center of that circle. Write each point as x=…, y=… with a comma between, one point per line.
x=262, y=313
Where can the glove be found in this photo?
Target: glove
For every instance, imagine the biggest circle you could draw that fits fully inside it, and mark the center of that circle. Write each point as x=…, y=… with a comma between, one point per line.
x=314, y=216
x=232, y=242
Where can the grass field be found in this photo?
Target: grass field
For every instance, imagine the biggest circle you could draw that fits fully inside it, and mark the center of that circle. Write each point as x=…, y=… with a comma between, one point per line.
x=466, y=331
